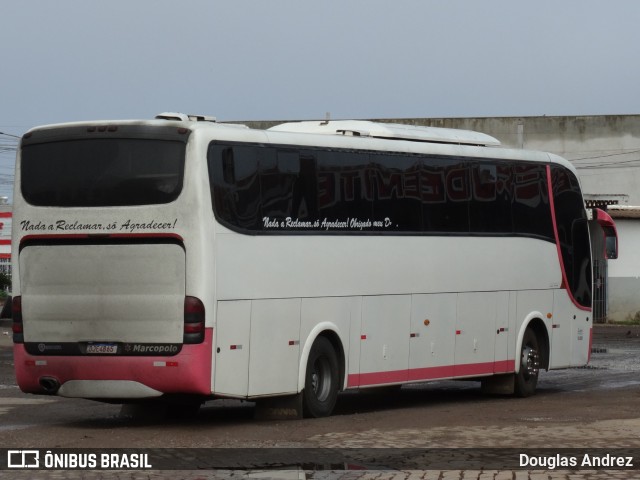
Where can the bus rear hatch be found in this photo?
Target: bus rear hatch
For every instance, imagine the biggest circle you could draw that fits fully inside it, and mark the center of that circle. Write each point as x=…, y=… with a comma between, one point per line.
x=103, y=299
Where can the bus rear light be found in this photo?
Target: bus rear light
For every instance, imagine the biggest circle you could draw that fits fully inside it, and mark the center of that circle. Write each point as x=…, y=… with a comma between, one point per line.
x=193, y=327
x=16, y=314
x=194, y=317
x=35, y=363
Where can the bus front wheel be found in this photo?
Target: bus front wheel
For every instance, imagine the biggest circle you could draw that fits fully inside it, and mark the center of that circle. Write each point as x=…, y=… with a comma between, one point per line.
x=527, y=377
x=321, y=379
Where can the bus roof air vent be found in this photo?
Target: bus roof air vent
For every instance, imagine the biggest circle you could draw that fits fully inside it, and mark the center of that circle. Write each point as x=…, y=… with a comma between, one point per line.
x=390, y=131
x=172, y=116
x=181, y=117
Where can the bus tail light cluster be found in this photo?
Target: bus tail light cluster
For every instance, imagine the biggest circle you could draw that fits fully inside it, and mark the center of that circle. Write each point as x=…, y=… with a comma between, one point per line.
x=193, y=320
x=16, y=315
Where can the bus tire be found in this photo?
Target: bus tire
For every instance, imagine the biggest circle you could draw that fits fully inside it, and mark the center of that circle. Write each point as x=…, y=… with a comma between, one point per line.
x=321, y=380
x=527, y=377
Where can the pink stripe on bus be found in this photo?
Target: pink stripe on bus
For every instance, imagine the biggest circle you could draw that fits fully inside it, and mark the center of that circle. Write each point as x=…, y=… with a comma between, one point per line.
x=430, y=373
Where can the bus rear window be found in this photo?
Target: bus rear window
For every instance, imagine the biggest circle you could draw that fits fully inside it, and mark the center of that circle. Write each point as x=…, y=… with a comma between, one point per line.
x=102, y=172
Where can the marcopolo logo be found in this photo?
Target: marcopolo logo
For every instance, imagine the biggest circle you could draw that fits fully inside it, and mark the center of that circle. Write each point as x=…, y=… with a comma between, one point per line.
x=23, y=459
x=150, y=349
x=140, y=348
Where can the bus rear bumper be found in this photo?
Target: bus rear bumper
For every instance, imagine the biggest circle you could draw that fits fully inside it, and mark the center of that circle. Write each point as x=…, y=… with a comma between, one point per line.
x=106, y=389
x=121, y=377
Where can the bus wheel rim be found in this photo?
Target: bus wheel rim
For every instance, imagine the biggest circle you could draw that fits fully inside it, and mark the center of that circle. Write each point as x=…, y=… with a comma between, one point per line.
x=530, y=362
x=321, y=379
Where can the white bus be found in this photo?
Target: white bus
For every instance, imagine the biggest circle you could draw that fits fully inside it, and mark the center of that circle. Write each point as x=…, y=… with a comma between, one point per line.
x=184, y=258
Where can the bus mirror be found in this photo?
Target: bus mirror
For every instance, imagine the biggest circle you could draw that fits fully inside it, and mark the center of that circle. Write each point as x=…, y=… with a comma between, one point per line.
x=610, y=233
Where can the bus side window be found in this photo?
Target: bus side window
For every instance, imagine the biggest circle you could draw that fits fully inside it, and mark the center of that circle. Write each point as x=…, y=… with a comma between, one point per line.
x=233, y=175
x=395, y=187
x=530, y=207
x=279, y=171
x=342, y=186
x=610, y=243
x=490, y=208
x=445, y=193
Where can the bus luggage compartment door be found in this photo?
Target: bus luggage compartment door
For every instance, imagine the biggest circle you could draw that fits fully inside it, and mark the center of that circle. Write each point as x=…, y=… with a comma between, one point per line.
x=233, y=326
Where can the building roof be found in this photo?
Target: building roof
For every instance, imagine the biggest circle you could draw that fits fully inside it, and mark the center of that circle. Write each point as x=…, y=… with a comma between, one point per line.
x=624, y=211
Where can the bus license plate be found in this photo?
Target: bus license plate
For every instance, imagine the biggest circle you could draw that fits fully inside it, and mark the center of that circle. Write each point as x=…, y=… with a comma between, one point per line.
x=102, y=348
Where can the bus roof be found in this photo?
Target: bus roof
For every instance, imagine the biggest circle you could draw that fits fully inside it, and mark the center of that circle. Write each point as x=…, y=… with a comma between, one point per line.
x=390, y=131
x=340, y=133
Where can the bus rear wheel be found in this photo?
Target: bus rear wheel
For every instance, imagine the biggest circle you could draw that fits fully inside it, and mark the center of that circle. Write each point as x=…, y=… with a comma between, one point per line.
x=321, y=380
x=527, y=377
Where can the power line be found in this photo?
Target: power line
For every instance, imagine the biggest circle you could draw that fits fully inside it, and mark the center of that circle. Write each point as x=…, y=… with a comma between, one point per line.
x=628, y=152
x=612, y=165
x=10, y=135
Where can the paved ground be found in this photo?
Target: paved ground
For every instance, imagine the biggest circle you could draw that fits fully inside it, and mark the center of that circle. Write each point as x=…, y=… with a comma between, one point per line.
x=593, y=407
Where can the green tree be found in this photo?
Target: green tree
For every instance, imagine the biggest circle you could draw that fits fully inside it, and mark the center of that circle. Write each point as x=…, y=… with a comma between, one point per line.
x=5, y=281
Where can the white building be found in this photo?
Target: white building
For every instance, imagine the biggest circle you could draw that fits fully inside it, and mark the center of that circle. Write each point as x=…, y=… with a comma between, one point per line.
x=5, y=238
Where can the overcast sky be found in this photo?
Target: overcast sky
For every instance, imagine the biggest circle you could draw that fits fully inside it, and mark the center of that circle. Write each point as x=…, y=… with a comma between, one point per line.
x=70, y=60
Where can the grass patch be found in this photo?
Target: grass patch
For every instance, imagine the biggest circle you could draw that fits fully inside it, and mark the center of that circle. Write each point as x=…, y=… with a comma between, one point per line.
x=629, y=320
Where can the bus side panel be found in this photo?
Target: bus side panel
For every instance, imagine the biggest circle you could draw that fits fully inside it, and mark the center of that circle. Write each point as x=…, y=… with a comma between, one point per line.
x=368, y=265
x=275, y=346
x=355, y=344
x=514, y=323
x=475, y=334
x=502, y=362
x=384, y=354
x=561, y=345
x=571, y=332
x=232, y=347
x=432, y=346
x=581, y=338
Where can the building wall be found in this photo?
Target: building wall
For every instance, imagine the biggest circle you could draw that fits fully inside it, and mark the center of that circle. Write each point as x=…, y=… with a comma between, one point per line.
x=624, y=273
